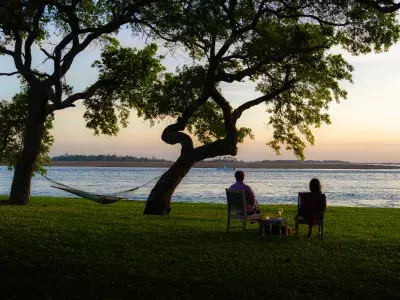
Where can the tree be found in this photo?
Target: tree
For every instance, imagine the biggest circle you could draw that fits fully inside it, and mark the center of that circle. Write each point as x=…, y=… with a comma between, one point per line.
x=13, y=115
x=77, y=24
x=283, y=47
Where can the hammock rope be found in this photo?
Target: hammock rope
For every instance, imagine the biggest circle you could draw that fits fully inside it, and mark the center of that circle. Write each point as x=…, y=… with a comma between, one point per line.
x=99, y=198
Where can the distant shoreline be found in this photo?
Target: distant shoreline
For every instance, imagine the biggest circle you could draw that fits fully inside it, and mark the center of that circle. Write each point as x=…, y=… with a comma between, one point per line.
x=237, y=165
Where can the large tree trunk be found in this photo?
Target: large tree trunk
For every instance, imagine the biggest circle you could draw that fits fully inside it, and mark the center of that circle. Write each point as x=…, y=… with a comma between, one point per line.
x=159, y=200
x=21, y=185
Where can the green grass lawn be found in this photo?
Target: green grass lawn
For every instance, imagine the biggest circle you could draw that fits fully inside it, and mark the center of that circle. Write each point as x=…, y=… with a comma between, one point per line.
x=70, y=248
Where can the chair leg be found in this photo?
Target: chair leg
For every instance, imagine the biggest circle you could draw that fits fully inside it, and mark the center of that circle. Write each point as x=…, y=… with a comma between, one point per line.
x=244, y=224
x=228, y=223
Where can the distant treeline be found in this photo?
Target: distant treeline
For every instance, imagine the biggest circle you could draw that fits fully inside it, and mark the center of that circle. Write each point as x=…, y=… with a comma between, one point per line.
x=224, y=159
x=127, y=158
x=72, y=157
x=306, y=161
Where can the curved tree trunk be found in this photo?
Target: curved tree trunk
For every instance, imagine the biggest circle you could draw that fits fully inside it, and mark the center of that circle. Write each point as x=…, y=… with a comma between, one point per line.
x=159, y=200
x=21, y=184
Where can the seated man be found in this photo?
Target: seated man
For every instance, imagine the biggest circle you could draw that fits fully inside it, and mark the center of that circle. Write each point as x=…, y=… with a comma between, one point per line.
x=252, y=204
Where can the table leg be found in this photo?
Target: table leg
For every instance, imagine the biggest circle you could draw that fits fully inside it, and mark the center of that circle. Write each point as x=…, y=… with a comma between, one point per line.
x=280, y=230
x=263, y=230
x=270, y=229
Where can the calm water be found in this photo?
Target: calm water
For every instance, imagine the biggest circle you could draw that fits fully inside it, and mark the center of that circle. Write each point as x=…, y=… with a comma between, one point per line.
x=375, y=188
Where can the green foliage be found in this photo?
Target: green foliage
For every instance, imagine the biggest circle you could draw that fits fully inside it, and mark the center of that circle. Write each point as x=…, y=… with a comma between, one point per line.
x=71, y=244
x=316, y=83
x=207, y=125
x=60, y=17
x=12, y=117
x=173, y=93
x=128, y=77
x=369, y=30
x=278, y=44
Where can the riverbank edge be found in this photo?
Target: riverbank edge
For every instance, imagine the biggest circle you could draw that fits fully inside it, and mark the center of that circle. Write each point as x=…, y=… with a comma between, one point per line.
x=4, y=198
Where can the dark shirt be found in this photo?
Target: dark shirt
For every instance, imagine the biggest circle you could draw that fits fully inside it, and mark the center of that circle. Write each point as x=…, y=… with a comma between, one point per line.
x=312, y=206
x=248, y=192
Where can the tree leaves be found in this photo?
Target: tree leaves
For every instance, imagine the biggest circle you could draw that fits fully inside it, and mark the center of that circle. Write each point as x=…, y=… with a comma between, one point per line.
x=129, y=77
x=13, y=117
x=283, y=47
x=304, y=106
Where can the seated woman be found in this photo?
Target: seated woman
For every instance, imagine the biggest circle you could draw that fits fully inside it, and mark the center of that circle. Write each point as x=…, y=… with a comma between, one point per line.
x=316, y=208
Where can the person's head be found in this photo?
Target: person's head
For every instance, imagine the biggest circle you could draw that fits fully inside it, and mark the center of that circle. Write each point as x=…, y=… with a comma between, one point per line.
x=239, y=175
x=315, y=186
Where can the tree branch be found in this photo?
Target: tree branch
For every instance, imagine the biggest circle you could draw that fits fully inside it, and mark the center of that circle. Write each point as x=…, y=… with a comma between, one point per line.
x=319, y=20
x=9, y=74
x=237, y=32
x=212, y=48
x=229, y=77
x=219, y=147
x=238, y=76
x=47, y=53
x=225, y=107
x=18, y=52
x=6, y=51
x=33, y=35
x=69, y=102
x=271, y=95
x=172, y=136
x=229, y=12
x=107, y=28
x=61, y=69
x=392, y=7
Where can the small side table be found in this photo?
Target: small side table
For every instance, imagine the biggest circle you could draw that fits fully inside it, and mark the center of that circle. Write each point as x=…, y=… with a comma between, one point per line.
x=263, y=223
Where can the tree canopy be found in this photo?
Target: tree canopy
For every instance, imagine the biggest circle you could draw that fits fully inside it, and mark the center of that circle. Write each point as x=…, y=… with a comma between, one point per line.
x=75, y=24
x=280, y=45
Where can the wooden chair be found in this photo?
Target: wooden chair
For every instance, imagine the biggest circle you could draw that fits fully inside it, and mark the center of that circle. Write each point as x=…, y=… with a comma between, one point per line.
x=304, y=203
x=237, y=208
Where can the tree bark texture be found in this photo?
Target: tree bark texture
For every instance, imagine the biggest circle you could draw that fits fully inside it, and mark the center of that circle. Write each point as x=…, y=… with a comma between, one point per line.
x=21, y=184
x=159, y=200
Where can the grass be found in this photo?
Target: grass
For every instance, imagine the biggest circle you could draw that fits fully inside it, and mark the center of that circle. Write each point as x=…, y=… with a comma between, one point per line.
x=77, y=249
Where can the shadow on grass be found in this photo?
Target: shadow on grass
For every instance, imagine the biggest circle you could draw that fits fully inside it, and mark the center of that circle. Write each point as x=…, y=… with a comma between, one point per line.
x=4, y=202
x=80, y=250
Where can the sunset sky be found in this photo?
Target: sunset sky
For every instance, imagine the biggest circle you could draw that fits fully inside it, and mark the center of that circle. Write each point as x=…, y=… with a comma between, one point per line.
x=365, y=127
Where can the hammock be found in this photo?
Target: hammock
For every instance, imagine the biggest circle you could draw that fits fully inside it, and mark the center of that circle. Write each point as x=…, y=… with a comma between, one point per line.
x=99, y=198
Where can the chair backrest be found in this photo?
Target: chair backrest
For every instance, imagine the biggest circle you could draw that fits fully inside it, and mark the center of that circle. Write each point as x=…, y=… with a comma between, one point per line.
x=236, y=201
x=309, y=204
